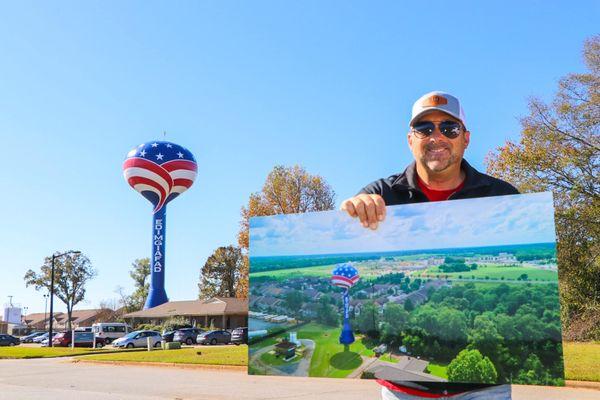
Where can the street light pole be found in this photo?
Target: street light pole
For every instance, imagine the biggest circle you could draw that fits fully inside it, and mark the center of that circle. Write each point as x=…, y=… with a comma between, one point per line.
x=54, y=257
x=51, y=302
x=46, y=309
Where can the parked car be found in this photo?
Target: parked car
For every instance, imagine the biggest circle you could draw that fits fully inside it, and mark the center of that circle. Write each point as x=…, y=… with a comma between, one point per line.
x=9, y=340
x=38, y=339
x=168, y=336
x=29, y=338
x=214, y=337
x=46, y=342
x=110, y=331
x=139, y=339
x=82, y=339
x=83, y=329
x=187, y=335
x=239, y=336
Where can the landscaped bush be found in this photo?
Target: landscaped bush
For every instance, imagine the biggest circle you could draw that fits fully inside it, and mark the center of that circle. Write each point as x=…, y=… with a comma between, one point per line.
x=148, y=327
x=175, y=323
x=171, y=346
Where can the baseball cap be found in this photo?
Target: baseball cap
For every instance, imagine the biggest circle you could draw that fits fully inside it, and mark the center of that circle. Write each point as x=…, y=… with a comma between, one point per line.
x=440, y=101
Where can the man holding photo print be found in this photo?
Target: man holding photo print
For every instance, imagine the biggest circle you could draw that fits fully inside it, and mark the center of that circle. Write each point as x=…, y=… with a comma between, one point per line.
x=438, y=138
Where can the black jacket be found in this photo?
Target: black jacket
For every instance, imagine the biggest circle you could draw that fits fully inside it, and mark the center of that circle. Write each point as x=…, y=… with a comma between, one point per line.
x=403, y=188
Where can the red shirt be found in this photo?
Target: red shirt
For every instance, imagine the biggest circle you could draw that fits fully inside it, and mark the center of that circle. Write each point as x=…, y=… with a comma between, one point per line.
x=437, y=195
x=432, y=195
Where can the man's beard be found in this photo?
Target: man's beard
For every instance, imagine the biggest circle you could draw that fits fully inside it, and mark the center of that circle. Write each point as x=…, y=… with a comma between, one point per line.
x=438, y=163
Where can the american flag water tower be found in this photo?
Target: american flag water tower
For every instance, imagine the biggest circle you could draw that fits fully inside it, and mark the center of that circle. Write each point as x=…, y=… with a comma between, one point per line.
x=159, y=171
x=345, y=276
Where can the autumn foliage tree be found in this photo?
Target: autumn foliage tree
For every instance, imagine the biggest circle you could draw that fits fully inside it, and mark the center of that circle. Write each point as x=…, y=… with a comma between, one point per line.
x=287, y=190
x=559, y=150
x=222, y=273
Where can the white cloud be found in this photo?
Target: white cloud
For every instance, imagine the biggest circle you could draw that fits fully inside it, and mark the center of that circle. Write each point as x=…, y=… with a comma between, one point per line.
x=462, y=223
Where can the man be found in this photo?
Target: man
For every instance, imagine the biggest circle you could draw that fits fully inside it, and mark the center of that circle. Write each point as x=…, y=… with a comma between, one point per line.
x=438, y=138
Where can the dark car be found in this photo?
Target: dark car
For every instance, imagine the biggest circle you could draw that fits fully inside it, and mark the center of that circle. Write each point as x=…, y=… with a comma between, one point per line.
x=168, y=336
x=9, y=340
x=82, y=339
x=214, y=337
x=187, y=335
x=239, y=336
x=29, y=338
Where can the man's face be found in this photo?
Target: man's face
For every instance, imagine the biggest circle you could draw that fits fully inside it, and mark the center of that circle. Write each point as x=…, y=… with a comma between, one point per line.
x=436, y=152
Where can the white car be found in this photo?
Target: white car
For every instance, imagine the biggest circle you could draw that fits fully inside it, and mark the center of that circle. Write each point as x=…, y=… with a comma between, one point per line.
x=139, y=339
x=110, y=331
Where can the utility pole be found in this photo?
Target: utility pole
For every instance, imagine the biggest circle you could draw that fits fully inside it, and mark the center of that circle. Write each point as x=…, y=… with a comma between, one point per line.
x=54, y=257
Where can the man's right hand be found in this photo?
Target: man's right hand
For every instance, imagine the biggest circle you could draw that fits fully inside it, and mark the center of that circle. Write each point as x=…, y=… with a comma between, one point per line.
x=369, y=208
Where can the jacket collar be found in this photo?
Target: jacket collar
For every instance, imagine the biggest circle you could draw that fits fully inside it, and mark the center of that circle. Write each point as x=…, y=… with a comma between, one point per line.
x=408, y=179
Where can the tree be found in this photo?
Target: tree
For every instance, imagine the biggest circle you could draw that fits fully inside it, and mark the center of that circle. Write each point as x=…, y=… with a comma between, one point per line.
x=294, y=300
x=140, y=271
x=71, y=272
x=327, y=314
x=368, y=319
x=559, y=150
x=221, y=274
x=471, y=366
x=286, y=190
x=395, y=319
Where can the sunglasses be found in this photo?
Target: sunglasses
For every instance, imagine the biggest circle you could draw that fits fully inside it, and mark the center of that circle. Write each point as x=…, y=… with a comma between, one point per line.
x=450, y=129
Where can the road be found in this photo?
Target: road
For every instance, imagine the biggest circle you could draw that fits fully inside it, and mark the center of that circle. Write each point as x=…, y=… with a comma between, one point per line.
x=62, y=379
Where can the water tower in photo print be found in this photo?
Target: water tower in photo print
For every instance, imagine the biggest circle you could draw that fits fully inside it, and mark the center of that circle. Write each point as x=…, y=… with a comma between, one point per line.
x=159, y=171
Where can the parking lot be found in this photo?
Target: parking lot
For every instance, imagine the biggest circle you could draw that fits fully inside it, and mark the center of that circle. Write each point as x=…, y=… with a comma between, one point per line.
x=71, y=379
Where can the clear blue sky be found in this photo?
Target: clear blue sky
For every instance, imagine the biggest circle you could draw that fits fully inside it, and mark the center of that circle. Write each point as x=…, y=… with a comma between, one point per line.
x=487, y=221
x=244, y=86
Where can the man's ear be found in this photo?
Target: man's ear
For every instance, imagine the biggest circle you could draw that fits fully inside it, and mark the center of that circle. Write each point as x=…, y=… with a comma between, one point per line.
x=467, y=138
x=410, y=138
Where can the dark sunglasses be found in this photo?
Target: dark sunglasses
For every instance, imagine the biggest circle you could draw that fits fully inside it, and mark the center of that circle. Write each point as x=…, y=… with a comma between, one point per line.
x=450, y=129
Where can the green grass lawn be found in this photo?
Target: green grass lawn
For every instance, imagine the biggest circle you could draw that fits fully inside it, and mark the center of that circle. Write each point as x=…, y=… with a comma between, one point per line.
x=273, y=360
x=499, y=272
x=46, y=352
x=329, y=358
x=437, y=370
x=323, y=271
x=388, y=358
x=582, y=361
x=210, y=355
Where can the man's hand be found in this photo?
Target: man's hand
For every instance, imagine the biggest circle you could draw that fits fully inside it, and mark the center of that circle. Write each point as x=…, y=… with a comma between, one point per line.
x=369, y=208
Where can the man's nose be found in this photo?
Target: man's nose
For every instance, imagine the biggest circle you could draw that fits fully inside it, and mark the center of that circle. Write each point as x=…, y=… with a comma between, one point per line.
x=436, y=134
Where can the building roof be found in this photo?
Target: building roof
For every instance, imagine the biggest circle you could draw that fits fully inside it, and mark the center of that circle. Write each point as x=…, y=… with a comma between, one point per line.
x=77, y=317
x=214, y=306
x=285, y=345
x=34, y=318
x=80, y=316
x=394, y=373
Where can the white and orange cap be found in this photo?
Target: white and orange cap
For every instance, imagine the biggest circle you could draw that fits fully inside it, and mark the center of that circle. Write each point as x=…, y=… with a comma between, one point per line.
x=437, y=101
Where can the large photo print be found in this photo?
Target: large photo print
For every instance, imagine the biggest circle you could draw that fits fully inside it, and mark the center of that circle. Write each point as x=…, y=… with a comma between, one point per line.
x=457, y=291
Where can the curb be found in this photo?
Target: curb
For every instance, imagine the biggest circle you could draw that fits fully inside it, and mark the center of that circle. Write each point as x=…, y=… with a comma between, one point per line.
x=583, y=385
x=240, y=368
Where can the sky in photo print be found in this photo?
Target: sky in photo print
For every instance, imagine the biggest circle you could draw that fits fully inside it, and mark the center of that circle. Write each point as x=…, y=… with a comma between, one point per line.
x=504, y=220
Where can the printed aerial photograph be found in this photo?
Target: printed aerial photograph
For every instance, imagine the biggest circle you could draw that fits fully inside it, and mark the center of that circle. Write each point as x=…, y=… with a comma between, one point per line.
x=458, y=291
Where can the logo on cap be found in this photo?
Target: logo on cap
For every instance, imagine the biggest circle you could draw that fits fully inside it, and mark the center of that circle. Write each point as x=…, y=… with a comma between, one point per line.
x=434, y=101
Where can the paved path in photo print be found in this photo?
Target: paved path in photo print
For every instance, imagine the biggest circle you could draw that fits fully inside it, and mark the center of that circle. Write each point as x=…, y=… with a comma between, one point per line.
x=53, y=379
